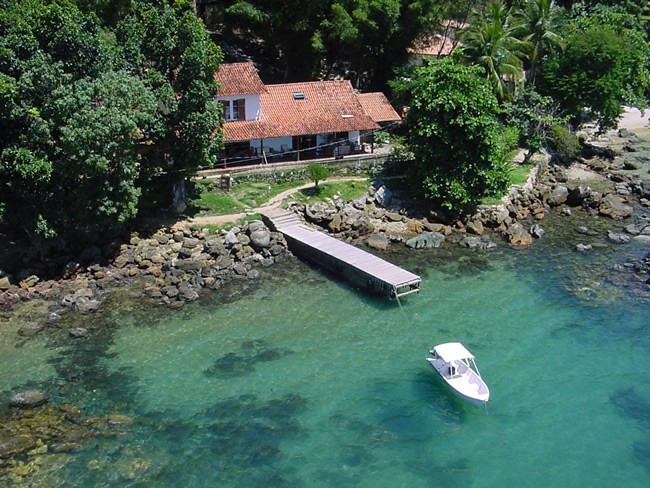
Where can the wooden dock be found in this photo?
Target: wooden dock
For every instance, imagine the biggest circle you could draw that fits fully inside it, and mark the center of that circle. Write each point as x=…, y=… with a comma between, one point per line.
x=361, y=268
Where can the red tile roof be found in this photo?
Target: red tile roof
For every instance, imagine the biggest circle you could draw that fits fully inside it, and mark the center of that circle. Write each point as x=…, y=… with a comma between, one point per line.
x=377, y=106
x=239, y=79
x=327, y=106
x=441, y=43
x=435, y=45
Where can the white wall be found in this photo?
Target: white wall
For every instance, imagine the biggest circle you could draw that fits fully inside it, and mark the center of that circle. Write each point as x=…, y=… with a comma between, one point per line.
x=252, y=104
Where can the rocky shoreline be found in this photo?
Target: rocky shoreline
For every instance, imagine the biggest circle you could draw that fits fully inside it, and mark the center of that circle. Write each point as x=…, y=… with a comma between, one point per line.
x=172, y=267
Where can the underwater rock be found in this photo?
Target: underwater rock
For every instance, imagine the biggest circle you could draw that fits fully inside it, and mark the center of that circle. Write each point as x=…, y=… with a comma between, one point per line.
x=78, y=332
x=30, y=329
x=29, y=399
x=13, y=445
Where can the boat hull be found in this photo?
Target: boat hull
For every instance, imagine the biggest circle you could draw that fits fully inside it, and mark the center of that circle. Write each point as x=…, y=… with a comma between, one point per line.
x=468, y=386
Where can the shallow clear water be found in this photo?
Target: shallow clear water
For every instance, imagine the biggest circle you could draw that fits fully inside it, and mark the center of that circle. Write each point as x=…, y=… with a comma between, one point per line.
x=306, y=382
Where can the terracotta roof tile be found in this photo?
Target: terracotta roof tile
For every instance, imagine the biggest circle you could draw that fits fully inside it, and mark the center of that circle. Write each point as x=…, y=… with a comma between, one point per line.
x=377, y=106
x=435, y=45
x=325, y=107
x=239, y=79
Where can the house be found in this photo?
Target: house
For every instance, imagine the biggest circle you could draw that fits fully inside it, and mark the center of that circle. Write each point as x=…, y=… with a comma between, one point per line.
x=436, y=45
x=294, y=120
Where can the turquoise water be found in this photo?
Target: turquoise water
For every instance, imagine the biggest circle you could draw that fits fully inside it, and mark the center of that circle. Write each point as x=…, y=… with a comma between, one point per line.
x=303, y=381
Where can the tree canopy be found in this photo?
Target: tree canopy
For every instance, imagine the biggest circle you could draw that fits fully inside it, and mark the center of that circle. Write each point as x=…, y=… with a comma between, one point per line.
x=455, y=134
x=361, y=39
x=82, y=101
x=604, y=65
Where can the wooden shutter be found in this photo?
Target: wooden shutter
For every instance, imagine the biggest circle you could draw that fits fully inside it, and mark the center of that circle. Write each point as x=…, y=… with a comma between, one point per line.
x=241, y=108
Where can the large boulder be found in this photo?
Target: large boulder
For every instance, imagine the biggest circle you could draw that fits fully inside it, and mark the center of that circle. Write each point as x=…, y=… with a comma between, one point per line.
x=29, y=399
x=558, y=196
x=518, y=235
x=377, y=241
x=12, y=445
x=383, y=196
x=614, y=207
x=30, y=329
x=260, y=238
x=578, y=195
x=426, y=240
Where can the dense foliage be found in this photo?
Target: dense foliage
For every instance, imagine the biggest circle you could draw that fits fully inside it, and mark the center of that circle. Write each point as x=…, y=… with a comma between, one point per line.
x=455, y=134
x=604, y=65
x=90, y=112
x=361, y=39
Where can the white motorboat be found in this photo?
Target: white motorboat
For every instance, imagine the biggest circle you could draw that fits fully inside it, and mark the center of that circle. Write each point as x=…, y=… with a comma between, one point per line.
x=456, y=365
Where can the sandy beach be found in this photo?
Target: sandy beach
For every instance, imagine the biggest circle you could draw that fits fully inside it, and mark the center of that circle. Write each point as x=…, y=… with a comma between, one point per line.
x=634, y=119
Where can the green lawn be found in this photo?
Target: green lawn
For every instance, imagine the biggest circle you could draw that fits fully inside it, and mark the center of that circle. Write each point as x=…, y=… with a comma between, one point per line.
x=208, y=199
x=518, y=176
x=345, y=190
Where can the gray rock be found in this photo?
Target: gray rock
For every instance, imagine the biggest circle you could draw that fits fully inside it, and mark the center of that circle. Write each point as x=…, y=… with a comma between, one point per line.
x=584, y=247
x=377, y=241
x=255, y=225
x=394, y=217
x=215, y=246
x=383, y=196
x=578, y=195
x=186, y=292
x=475, y=227
x=29, y=399
x=30, y=329
x=187, y=264
x=613, y=206
x=260, y=238
x=13, y=445
x=54, y=318
x=426, y=240
x=475, y=242
x=618, y=238
x=84, y=304
x=78, y=332
x=537, y=231
x=253, y=274
x=518, y=235
x=169, y=291
x=558, y=195
x=5, y=283
x=231, y=239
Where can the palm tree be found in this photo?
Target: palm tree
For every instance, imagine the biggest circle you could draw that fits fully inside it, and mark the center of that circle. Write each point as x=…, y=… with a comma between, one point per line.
x=491, y=41
x=541, y=22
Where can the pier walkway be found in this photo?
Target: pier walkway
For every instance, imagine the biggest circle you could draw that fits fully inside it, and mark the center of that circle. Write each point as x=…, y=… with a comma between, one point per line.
x=361, y=268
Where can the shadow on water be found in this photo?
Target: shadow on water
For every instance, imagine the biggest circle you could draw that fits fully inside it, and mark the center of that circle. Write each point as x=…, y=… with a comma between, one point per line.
x=235, y=440
x=630, y=404
x=234, y=364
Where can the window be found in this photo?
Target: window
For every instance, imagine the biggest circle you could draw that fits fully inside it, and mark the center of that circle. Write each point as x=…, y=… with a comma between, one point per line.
x=234, y=109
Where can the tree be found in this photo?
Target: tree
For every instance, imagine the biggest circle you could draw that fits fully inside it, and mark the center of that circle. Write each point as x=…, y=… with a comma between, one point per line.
x=81, y=101
x=454, y=134
x=316, y=173
x=165, y=44
x=542, y=21
x=491, y=41
x=603, y=66
x=534, y=116
x=362, y=40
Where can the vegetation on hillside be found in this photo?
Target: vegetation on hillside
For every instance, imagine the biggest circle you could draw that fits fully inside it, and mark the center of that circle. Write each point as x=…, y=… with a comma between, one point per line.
x=108, y=104
x=90, y=112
